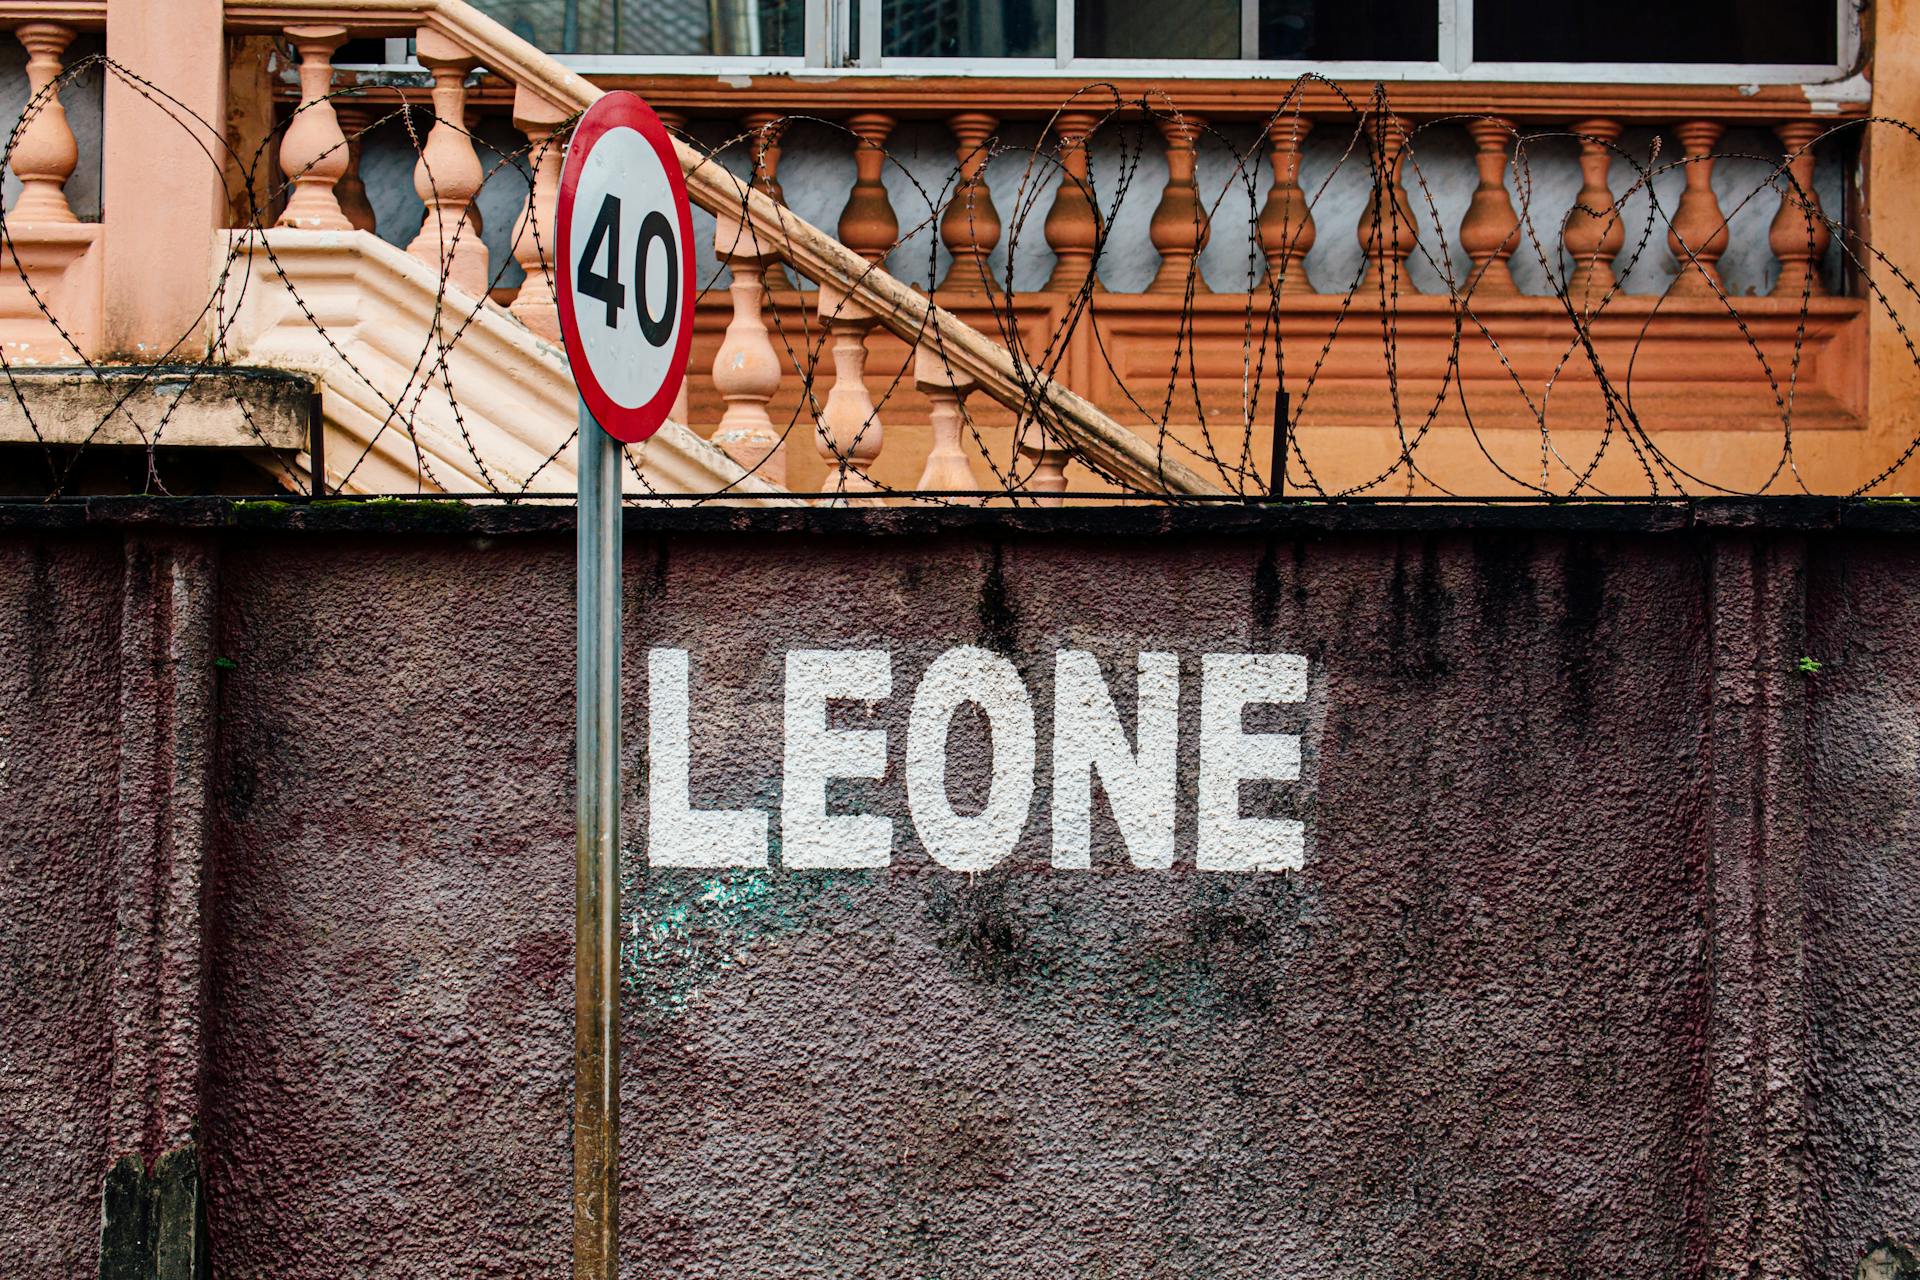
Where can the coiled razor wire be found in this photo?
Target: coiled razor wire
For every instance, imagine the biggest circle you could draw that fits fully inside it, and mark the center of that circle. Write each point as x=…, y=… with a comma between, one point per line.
x=1215, y=441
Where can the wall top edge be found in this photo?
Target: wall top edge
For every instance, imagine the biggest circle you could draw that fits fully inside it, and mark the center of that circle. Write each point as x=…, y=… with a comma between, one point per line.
x=444, y=516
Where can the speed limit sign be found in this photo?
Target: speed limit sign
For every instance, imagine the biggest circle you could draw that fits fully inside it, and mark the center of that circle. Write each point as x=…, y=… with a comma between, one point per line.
x=624, y=253
x=624, y=257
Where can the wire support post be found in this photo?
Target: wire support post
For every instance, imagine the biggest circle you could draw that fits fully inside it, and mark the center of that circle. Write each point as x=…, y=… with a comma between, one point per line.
x=1277, y=464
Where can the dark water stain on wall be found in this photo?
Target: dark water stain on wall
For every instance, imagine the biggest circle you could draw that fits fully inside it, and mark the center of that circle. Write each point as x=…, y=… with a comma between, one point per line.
x=998, y=622
x=978, y=928
x=1504, y=587
x=1584, y=655
x=652, y=585
x=1418, y=606
x=1266, y=597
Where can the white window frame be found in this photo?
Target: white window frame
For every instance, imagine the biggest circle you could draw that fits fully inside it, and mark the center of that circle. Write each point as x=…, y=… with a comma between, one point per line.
x=829, y=25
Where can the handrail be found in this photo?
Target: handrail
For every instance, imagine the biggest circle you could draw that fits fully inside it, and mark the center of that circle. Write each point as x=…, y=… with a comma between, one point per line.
x=1040, y=97
x=82, y=15
x=1074, y=421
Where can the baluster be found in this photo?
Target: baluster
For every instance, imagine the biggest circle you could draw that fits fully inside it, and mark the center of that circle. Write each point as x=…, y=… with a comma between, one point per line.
x=45, y=154
x=746, y=369
x=1491, y=229
x=448, y=173
x=868, y=225
x=1799, y=234
x=476, y=224
x=1045, y=463
x=763, y=147
x=1073, y=223
x=534, y=306
x=1179, y=228
x=848, y=434
x=970, y=226
x=1387, y=231
x=1697, y=223
x=1593, y=234
x=766, y=128
x=946, y=388
x=313, y=153
x=1286, y=221
x=351, y=191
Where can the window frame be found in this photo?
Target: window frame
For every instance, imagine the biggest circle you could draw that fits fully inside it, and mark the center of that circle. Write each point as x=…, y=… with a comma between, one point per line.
x=829, y=26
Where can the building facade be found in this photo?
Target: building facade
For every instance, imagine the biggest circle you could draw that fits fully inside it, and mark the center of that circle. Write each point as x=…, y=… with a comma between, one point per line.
x=1379, y=250
x=1066, y=832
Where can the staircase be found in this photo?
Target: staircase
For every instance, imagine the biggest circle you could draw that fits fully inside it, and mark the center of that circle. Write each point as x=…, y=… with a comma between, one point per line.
x=429, y=384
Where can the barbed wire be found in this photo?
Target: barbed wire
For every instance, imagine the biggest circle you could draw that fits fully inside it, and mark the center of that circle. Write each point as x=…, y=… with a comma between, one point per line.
x=1490, y=364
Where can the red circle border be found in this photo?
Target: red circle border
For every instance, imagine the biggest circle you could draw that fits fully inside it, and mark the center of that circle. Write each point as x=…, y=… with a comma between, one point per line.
x=614, y=110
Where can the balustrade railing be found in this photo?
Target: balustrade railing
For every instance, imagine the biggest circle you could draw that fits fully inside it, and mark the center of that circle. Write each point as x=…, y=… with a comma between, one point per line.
x=1515, y=257
x=1511, y=252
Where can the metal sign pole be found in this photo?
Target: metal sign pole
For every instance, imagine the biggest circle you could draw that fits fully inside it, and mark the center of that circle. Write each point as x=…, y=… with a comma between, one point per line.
x=596, y=967
x=628, y=364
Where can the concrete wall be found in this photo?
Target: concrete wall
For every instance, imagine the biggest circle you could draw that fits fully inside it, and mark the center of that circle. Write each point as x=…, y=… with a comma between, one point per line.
x=1598, y=962
x=1862, y=876
x=61, y=624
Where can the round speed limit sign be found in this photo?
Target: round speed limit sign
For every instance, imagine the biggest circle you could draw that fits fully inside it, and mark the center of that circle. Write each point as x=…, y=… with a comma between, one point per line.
x=624, y=266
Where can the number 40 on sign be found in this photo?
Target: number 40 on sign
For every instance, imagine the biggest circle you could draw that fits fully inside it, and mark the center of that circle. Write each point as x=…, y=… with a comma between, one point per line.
x=623, y=246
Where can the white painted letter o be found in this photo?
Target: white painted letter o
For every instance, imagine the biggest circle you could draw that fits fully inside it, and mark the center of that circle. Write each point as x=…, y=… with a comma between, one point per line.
x=970, y=842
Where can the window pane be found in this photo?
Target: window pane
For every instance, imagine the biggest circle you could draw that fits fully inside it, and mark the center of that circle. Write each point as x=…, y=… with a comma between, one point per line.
x=368, y=51
x=1156, y=28
x=967, y=28
x=1736, y=31
x=1296, y=30
x=1350, y=30
x=651, y=28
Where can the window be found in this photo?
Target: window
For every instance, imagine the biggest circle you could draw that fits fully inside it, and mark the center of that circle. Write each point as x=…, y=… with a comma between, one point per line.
x=656, y=28
x=1745, y=32
x=968, y=28
x=1269, y=30
x=1694, y=40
